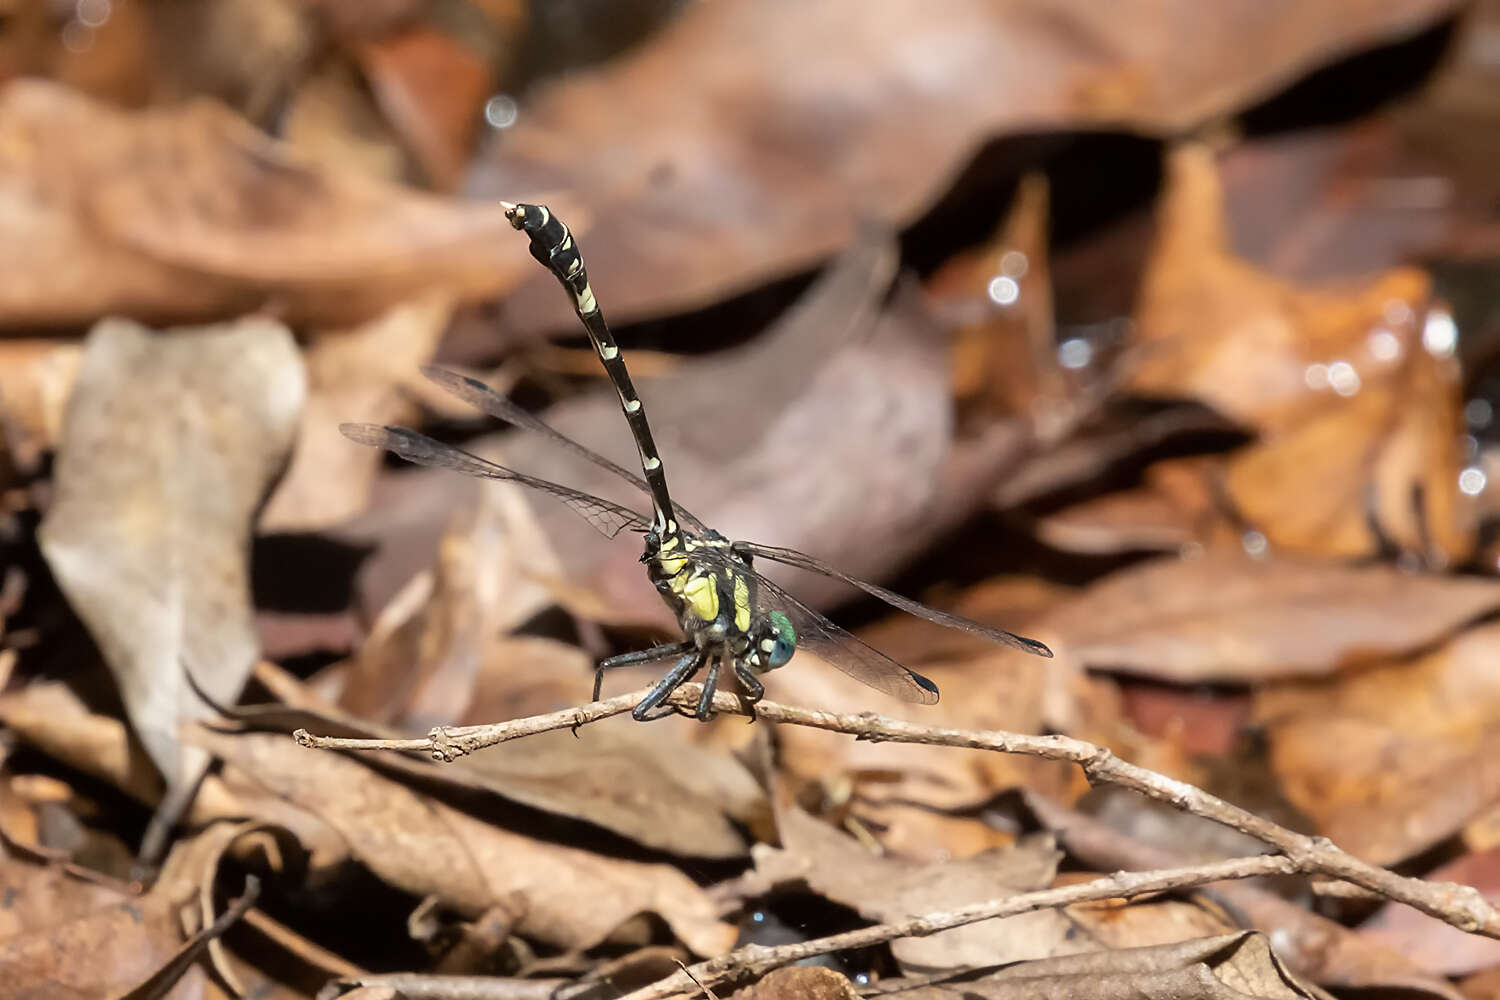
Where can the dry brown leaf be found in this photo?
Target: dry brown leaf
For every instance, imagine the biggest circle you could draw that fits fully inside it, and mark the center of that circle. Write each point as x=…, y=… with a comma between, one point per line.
x=1144, y=922
x=1004, y=354
x=51, y=717
x=169, y=445
x=1314, y=946
x=883, y=888
x=432, y=87
x=352, y=375
x=39, y=895
x=1177, y=506
x=84, y=940
x=187, y=211
x=247, y=53
x=840, y=110
x=1442, y=948
x=1228, y=967
x=804, y=982
x=627, y=779
x=1226, y=617
x=633, y=781
x=431, y=643
x=1355, y=410
x=906, y=791
x=105, y=952
x=332, y=121
x=1392, y=759
x=36, y=377
x=111, y=60
x=566, y=897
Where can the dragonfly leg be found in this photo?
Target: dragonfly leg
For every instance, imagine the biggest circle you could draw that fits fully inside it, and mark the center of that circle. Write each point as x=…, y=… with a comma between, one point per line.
x=706, y=699
x=681, y=671
x=639, y=656
x=751, y=689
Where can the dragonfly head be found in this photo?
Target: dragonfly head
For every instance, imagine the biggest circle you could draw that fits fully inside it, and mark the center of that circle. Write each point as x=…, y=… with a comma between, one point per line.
x=775, y=640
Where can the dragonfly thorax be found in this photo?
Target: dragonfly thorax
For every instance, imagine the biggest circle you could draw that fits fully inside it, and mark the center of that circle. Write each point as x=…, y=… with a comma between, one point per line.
x=709, y=587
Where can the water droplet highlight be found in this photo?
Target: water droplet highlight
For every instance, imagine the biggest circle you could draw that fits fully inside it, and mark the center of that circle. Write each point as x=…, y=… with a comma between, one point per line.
x=1075, y=353
x=1004, y=290
x=501, y=111
x=1254, y=543
x=1439, y=332
x=92, y=13
x=1478, y=413
x=1384, y=345
x=1343, y=378
x=1472, y=480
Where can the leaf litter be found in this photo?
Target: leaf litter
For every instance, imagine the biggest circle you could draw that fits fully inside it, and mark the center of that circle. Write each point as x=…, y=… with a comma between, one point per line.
x=1249, y=508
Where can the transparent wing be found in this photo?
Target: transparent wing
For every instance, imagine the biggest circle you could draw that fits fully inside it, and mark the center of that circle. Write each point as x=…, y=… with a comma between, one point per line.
x=791, y=557
x=482, y=397
x=828, y=641
x=610, y=518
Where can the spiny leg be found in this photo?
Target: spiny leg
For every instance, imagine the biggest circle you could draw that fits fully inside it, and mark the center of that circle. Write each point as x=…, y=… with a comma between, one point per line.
x=680, y=672
x=639, y=656
x=706, y=699
x=751, y=689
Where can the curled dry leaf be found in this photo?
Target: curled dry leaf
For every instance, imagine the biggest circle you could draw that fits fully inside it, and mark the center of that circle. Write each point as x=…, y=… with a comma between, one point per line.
x=1227, y=617
x=840, y=110
x=1357, y=412
x=170, y=443
x=1393, y=759
x=1228, y=967
x=566, y=897
x=431, y=644
x=187, y=211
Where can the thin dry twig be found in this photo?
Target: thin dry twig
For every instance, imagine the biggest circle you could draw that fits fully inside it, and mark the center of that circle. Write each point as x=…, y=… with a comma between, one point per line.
x=423, y=986
x=707, y=993
x=1460, y=905
x=756, y=960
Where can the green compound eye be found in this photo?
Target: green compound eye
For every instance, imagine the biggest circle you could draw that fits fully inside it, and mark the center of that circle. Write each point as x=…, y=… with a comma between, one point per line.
x=784, y=639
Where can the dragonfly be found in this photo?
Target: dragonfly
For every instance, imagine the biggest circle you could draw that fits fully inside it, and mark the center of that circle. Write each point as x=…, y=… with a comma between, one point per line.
x=733, y=618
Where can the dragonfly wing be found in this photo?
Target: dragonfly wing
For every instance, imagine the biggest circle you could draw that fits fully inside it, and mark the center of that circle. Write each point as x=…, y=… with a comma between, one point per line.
x=482, y=397
x=610, y=518
x=800, y=560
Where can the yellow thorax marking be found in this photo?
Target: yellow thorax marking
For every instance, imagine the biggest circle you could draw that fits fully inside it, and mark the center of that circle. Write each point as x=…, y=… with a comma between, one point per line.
x=741, y=603
x=702, y=593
